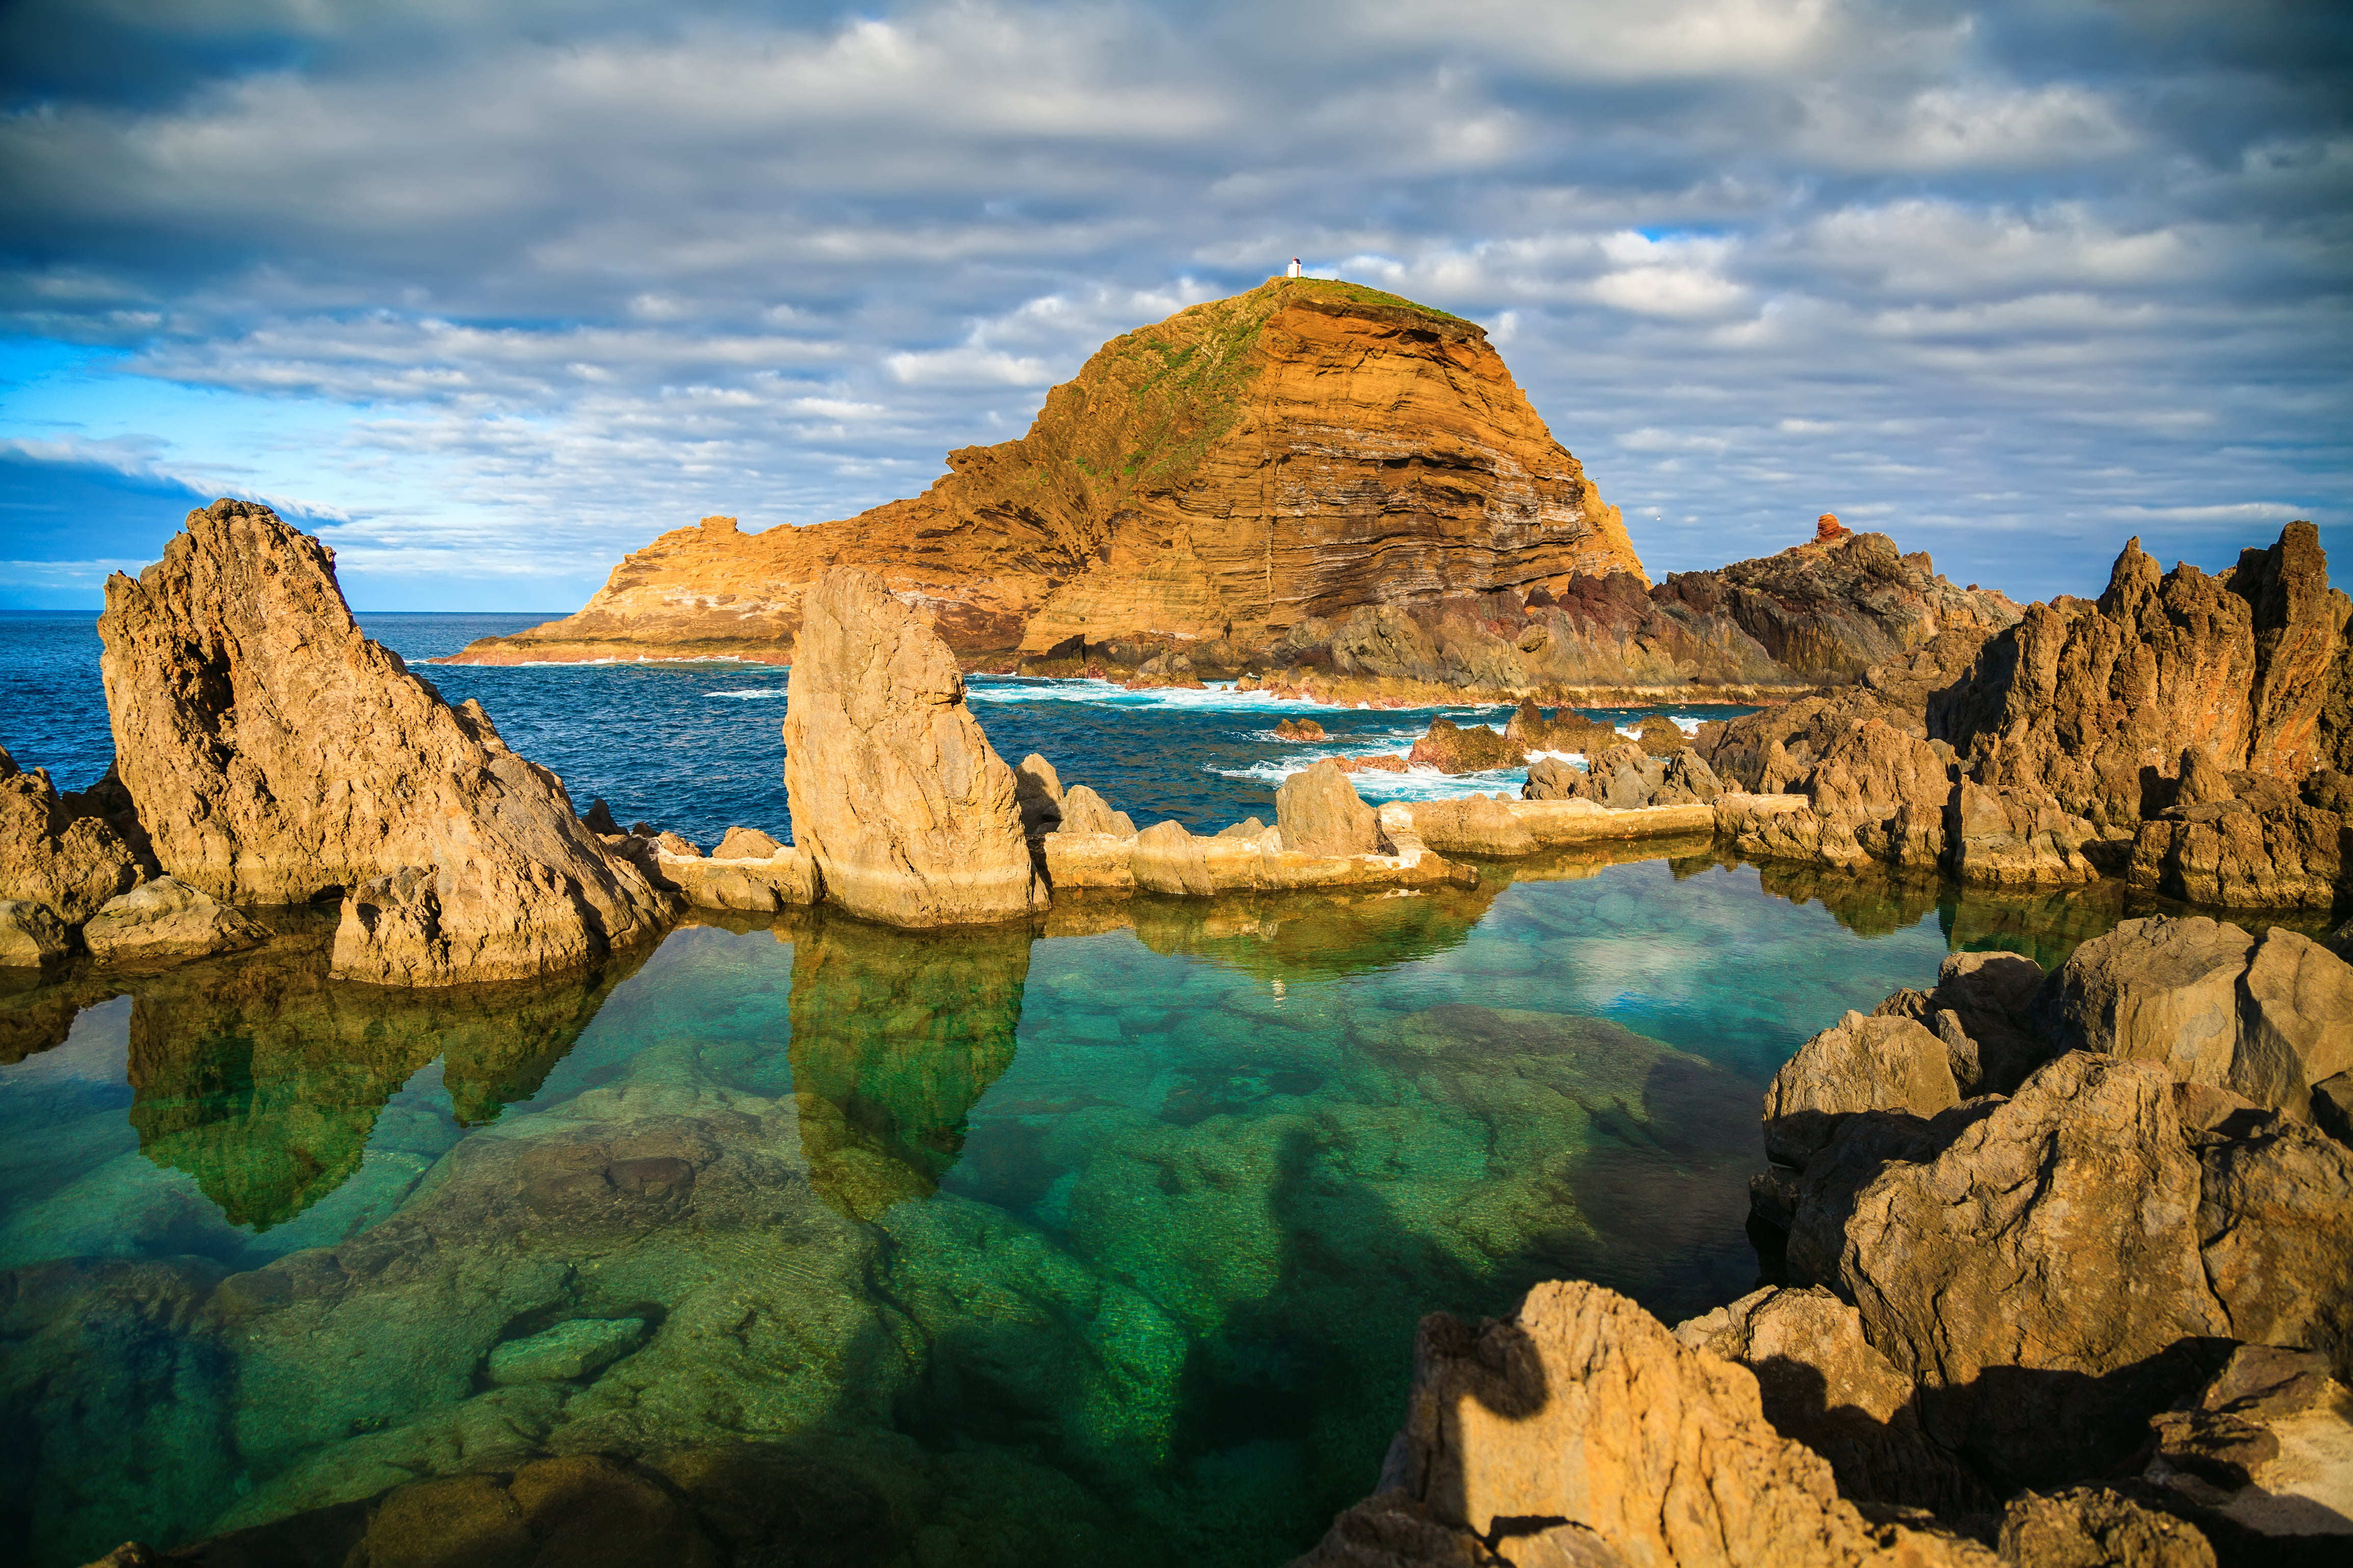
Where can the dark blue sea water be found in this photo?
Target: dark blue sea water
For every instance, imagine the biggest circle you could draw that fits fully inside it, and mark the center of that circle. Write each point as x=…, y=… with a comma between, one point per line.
x=1100, y=1239
x=695, y=748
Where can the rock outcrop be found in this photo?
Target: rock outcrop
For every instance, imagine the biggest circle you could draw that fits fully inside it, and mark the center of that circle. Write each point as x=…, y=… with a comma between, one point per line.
x=1320, y=812
x=2048, y=1261
x=910, y=818
x=1246, y=466
x=277, y=755
x=67, y=862
x=167, y=919
x=1579, y=1431
x=2096, y=702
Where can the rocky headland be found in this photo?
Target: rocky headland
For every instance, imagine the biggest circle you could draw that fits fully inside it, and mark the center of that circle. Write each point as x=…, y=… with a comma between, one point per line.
x=1314, y=485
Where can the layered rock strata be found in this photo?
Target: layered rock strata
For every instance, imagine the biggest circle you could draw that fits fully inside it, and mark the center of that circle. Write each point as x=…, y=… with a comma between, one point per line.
x=908, y=815
x=1246, y=466
x=278, y=756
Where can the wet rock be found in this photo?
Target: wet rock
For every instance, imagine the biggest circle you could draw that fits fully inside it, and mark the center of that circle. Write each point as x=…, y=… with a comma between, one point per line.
x=167, y=919
x=1857, y=1064
x=2032, y=1264
x=2094, y=1527
x=745, y=843
x=30, y=934
x=276, y=754
x=68, y=862
x=1300, y=730
x=1822, y=1384
x=567, y=1352
x=1319, y=813
x=1453, y=748
x=910, y=817
x=1582, y=1410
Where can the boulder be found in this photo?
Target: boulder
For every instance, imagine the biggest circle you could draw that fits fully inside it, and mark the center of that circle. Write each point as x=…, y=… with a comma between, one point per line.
x=599, y=818
x=1037, y=790
x=2275, y=1225
x=1857, y=1064
x=277, y=755
x=745, y=843
x=1983, y=1009
x=1453, y=748
x=1582, y=1411
x=2238, y=854
x=910, y=817
x=2095, y=1527
x=1320, y=814
x=2016, y=837
x=167, y=919
x=2032, y=1264
x=1085, y=811
x=1553, y=778
x=70, y=862
x=1822, y=1384
x=2263, y=1019
x=1881, y=796
x=30, y=934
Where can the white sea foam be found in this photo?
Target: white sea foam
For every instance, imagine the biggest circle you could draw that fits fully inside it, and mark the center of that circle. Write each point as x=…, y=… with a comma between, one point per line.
x=1380, y=785
x=1216, y=697
x=751, y=694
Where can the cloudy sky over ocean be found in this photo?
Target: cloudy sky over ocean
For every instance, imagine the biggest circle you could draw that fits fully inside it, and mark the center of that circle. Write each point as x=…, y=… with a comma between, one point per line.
x=490, y=293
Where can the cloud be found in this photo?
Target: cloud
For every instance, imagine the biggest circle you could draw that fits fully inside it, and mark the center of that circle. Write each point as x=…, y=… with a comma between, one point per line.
x=493, y=286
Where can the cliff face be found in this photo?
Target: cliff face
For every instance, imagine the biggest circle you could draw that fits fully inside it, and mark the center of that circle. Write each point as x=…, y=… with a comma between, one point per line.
x=1240, y=469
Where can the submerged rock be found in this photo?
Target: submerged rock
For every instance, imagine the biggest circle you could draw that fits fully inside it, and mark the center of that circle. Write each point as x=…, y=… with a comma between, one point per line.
x=567, y=1352
x=167, y=919
x=910, y=817
x=277, y=755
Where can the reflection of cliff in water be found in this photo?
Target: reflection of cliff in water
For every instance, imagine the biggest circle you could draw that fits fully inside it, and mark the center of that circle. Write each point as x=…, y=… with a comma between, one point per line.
x=895, y=1036
x=262, y=1078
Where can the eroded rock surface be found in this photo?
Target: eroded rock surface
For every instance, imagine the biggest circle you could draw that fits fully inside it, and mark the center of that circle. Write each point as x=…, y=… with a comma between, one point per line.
x=1583, y=1411
x=167, y=919
x=909, y=815
x=276, y=755
x=67, y=862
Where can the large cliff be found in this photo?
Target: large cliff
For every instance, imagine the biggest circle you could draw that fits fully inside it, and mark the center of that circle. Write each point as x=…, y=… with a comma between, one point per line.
x=1244, y=467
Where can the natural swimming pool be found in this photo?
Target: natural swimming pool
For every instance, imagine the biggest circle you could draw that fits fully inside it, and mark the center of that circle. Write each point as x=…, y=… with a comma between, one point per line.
x=1101, y=1237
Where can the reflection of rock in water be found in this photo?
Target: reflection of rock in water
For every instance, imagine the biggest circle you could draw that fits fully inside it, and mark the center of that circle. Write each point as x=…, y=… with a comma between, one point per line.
x=1869, y=903
x=895, y=1036
x=1312, y=936
x=2047, y=926
x=261, y=1077
x=37, y=1010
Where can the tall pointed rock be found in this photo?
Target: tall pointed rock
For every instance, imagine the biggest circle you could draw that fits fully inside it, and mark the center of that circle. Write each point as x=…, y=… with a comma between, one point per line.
x=894, y=790
x=277, y=755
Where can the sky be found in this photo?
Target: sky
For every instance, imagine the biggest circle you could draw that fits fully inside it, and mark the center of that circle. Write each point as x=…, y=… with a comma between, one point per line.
x=488, y=292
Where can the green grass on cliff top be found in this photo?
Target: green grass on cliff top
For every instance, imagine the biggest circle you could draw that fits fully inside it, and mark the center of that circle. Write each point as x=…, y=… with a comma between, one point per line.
x=1183, y=377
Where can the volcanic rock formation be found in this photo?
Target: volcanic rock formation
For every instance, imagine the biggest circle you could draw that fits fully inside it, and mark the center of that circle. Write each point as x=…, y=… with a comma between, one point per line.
x=277, y=755
x=909, y=815
x=1245, y=466
x=67, y=863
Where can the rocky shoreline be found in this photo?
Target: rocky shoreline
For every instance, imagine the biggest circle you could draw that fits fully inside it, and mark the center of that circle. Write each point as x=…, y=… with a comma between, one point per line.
x=2067, y=1258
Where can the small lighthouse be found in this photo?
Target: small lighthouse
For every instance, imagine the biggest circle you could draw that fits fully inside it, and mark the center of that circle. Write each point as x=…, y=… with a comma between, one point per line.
x=1295, y=268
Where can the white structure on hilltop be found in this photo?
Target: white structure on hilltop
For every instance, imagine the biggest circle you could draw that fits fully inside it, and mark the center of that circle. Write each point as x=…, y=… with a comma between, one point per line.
x=1295, y=268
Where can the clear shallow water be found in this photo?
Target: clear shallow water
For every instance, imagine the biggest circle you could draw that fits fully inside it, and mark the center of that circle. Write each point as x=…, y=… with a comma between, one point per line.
x=1098, y=1240
x=1104, y=1238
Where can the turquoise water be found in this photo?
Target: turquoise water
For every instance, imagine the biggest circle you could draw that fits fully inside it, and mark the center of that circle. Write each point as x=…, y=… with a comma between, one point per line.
x=1098, y=1240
